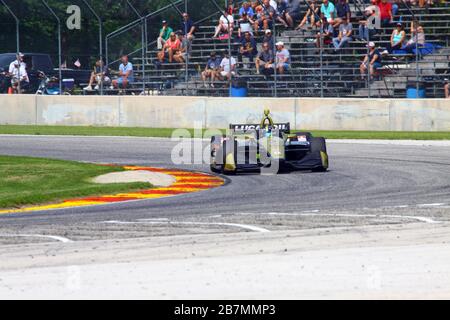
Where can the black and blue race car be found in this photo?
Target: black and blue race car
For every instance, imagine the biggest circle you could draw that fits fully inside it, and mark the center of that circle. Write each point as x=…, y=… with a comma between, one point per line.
x=267, y=146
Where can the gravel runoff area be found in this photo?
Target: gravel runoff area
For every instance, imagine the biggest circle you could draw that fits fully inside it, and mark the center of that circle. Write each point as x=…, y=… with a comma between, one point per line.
x=154, y=178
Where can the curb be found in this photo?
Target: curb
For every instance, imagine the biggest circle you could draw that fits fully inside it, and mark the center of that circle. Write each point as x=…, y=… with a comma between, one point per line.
x=186, y=182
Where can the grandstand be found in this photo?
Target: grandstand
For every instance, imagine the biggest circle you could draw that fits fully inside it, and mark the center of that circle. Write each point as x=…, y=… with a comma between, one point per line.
x=337, y=76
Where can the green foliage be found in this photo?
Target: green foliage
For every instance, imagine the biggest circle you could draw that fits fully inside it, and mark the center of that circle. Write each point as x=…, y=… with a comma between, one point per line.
x=38, y=29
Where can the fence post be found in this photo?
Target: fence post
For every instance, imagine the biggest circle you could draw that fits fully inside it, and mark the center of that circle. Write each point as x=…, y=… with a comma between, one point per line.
x=100, y=36
x=144, y=46
x=229, y=40
x=59, y=43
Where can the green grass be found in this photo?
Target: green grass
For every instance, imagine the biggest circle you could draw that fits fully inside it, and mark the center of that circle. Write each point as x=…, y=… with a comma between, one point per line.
x=167, y=132
x=26, y=181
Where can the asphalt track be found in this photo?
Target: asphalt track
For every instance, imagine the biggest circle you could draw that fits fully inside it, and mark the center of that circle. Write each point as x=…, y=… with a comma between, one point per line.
x=382, y=208
x=361, y=176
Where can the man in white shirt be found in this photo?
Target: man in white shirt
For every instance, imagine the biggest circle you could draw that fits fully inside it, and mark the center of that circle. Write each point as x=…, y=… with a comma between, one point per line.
x=18, y=72
x=283, y=58
x=227, y=67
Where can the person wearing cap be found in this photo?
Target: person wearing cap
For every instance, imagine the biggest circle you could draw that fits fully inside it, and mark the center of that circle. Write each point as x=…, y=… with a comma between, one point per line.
x=265, y=59
x=397, y=38
x=245, y=25
x=226, y=23
x=283, y=58
x=164, y=34
x=371, y=61
x=170, y=48
x=187, y=27
x=365, y=33
x=310, y=15
x=18, y=73
x=227, y=67
x=212, y=69
x=345, y=34
x=268, y=37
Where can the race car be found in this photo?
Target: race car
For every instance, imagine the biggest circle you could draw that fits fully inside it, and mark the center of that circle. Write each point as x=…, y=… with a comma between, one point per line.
x=267, y=146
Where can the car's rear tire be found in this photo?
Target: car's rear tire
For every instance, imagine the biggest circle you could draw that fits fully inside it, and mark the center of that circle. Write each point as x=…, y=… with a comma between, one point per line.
x=319, y=146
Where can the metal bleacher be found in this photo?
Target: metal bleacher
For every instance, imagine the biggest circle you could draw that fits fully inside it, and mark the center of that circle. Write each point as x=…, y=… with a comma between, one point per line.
x=337, y=76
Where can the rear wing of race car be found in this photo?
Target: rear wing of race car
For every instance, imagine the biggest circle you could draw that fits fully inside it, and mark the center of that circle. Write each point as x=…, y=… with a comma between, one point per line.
x=282, y=127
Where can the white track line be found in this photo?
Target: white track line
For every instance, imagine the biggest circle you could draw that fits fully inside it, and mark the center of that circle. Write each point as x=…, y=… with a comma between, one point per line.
x=57, y=238
x=431, y=204
x=348, y=215
x=237, y=225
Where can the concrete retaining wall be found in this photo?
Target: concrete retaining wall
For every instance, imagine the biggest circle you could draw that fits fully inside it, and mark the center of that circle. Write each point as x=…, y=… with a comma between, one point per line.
x=185, y=112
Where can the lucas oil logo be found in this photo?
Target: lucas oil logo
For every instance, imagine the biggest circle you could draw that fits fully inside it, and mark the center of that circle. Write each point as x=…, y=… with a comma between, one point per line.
x=249, y=127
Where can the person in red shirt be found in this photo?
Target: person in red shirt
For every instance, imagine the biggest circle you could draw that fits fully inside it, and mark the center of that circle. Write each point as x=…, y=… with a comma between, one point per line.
x=171, y=47
x=386, y=17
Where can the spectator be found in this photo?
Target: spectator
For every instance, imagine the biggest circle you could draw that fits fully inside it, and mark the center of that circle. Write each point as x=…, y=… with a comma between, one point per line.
x=283, y=58
x=180, y=56
x=248, y=47
x=265, y=59
x=98, y=76
x=310, y=15
x=446, y=89
x=419, y=38
x=328, y=34
x=245, y=25
x=164, y=34
x=268, y=37
x=292, y=12
x=397, y=38
x=422, y=3
x=365, y=32
x=342, y=11
x=386, y=16
x=188, y=27
x=274, y=4
x=18, y=73
x=281, y=12
x=264, y=17
x=372, y=61
x=328, y=11
x=230, y=7
x=126, y=76
x=395, y=8
x=226, y=23
x=171, y=47
x=247, y=9
x=345, y=34
x=211, y=70
x=227, y=67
